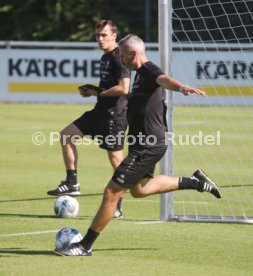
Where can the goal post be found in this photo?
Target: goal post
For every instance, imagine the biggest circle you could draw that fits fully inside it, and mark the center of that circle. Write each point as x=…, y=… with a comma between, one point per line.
x=209, y=45
x=165, y=54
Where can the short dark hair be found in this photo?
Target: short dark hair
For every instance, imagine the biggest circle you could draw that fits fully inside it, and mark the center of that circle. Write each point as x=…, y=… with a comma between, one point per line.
x=102, y=23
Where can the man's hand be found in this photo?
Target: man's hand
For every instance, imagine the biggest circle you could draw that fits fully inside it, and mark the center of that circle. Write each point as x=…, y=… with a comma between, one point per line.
x=87, y=93
x=175, y=85
x=187, y=90
x=88, y=90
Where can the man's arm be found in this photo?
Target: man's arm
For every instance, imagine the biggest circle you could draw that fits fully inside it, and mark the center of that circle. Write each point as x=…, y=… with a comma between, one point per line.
x=122, y=88
x=175, y=85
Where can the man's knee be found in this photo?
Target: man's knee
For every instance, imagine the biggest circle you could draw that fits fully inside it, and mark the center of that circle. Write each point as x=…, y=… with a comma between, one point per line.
x=141, y=188
x=115, y=158
x=116, y=161
x=136, y=192
x=113, y=190
x=64, y=138
x=70, y=134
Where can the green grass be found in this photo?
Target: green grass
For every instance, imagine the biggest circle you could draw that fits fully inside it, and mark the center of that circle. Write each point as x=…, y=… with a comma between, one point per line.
x=229, y=164
x=126, y=247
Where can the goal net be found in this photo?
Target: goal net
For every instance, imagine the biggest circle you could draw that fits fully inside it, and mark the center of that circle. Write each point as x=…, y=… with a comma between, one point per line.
x=212, y=50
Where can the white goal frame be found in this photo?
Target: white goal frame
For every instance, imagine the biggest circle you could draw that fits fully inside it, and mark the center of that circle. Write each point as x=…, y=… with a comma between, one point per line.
x=166, y=164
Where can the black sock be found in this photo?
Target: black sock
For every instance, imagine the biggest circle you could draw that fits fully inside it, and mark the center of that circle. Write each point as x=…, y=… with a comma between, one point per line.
x=186, y=183
x=72, y=176
x=119, y=203
x=89, y=239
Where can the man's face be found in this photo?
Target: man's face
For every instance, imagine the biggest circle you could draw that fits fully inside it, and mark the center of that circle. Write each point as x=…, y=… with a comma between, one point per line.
x=105, y=38
x=127, y=57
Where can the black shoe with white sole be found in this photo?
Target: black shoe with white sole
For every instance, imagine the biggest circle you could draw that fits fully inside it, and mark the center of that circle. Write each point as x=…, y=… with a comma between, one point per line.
x=206, y=184
x=75, y=249
x=66, y=188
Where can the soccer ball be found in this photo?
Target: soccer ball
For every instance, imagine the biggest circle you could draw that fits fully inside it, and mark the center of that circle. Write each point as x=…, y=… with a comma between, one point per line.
x=66, y=207
x=66, y=236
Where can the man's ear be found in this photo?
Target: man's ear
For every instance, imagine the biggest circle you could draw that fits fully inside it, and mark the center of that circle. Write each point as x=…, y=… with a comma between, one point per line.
x=115, y=36
x=134, y=53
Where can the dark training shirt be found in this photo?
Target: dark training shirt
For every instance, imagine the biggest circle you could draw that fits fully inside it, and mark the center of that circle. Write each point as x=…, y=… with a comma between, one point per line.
x=147, y=108
x=111, y=71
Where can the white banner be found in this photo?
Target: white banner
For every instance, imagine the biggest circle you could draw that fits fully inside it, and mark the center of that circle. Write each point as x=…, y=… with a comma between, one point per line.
x=49, y=75
x=226, y=77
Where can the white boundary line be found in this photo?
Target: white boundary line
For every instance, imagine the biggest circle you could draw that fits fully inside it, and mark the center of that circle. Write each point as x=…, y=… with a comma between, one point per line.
x=29, y=233
x=150, y=222
x=156, y=201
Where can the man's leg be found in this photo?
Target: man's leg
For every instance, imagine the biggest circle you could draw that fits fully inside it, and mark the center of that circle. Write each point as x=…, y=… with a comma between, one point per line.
x=67, y=137
x=116, y=158
x=157, y=185
x=70, y=186
x=147, y=186
x=162, y=184
x=112, y=193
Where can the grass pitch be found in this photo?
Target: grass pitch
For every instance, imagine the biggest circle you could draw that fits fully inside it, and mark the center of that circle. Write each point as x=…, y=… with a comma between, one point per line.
x=135, y=245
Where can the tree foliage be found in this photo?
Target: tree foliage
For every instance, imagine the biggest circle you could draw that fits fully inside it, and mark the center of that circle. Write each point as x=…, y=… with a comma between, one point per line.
x=72, y=20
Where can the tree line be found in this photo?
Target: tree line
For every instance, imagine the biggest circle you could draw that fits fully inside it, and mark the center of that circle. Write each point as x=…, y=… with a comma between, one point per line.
x=74, y=20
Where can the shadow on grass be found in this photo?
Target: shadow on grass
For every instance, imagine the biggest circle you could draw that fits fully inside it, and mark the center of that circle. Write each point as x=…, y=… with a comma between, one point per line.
x=44, y=198
x=100, y=194
x=124, y=249
x=76, y=218
x=236, y=186
x=41, y=216
x=17, y=251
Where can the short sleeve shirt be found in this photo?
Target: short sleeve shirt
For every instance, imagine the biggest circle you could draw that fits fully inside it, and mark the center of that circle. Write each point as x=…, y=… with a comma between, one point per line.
x=147, y=108
x=111, y=70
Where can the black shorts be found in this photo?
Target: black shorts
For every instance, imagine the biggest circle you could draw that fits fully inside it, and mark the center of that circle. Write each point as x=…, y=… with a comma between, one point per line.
x=137, y=165
x=108, y=130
